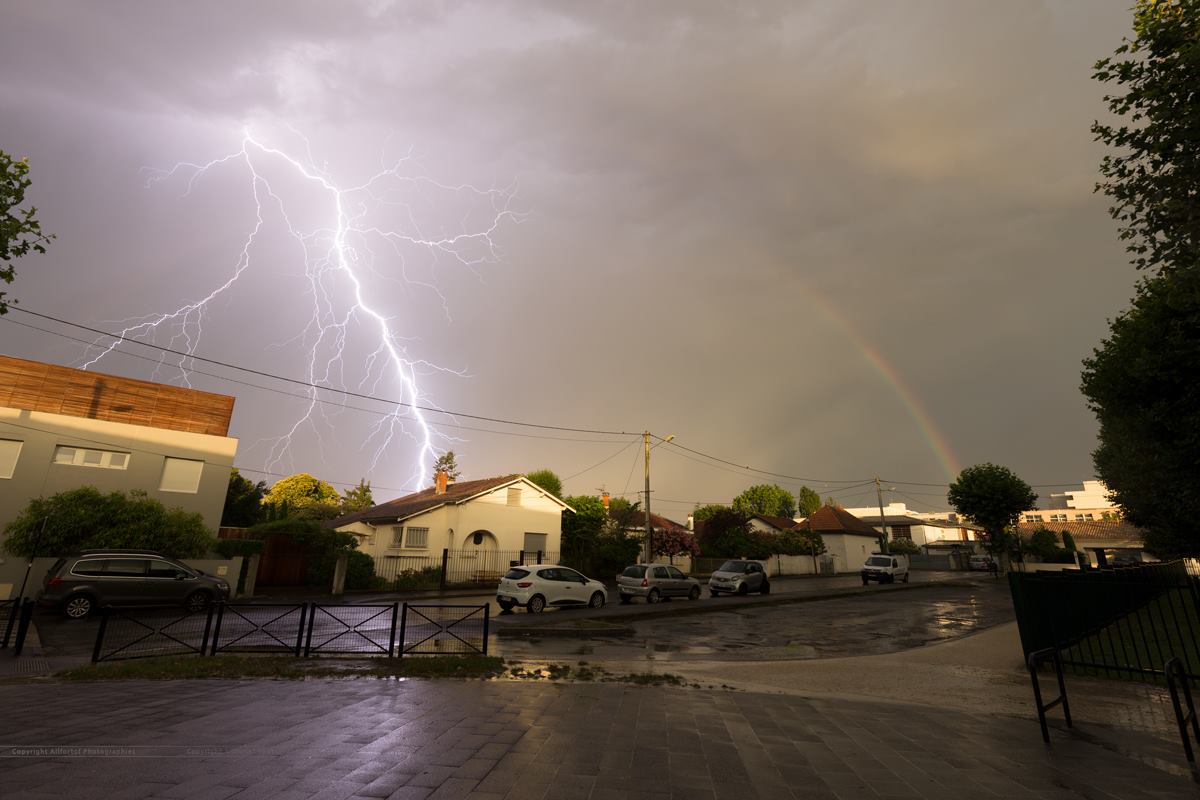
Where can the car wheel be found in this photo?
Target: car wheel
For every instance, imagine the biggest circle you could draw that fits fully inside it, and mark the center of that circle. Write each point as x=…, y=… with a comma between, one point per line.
x=536, y=604
x=505, y=606
x=711, y=593
x=766, y=588
x=626, y=599
x=906, y=577
x=694, y=594
x=743, y=589
x=598, y=600
x=653, y=597
x=865, y=581
x=197, y=601
x=79, y=607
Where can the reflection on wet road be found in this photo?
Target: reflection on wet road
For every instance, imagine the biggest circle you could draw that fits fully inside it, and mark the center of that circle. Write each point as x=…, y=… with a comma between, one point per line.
x=864, y=625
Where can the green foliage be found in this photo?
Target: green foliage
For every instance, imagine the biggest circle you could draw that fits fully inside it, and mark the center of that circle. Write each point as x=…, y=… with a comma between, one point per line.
x=231, y=548
x=594, y=543
x=1141, y=382
x=904, y=547
x=992, y=497
x=357, y=498
x=308, y=534
x=807, y=501
x=446, y=463
x=302, y=491
x=1069, y=542
x=84, y=518
x=424, y=578
x=702, y=513
x=547, y=480
x=360, y=571
x=1042, y=543
x=1151, y=176
x=614, y=551
x=20, y=229
x=726, y=535
x=766, y=499
x=243, y=502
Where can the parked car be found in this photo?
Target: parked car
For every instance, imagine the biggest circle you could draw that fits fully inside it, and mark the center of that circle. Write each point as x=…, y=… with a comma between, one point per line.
x=981, y=564
x=739, y=577
x=536, y=586
x=656, y=582
x=81, y=583
x=885, y=568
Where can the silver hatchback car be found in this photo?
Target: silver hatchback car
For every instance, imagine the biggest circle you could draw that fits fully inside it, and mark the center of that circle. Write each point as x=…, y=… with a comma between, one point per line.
x=739, y=577
x=656, y=582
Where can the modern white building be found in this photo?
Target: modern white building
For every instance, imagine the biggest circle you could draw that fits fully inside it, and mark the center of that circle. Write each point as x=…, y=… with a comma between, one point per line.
x=923, y=528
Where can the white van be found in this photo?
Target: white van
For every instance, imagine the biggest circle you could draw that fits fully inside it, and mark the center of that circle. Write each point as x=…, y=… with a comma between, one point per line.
x=885, y=568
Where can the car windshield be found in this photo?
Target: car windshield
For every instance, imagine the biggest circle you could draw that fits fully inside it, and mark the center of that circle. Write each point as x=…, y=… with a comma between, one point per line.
x=634, y=572
x=879, y=561
x=516, y=574
x=733, y=566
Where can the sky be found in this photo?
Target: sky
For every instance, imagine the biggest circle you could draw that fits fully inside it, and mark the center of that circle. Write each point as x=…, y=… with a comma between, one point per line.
x=815, y=242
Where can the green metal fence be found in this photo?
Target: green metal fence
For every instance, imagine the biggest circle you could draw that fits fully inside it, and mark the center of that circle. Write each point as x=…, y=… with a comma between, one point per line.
x=1119, y=623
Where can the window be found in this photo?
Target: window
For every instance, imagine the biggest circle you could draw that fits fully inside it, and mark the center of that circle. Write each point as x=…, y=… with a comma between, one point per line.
x=9, y=450
x=416, y=537
x=535, y=542
x=902, y=531
x=82, y=457
x=514, y=495
x=676, y=574
x=397, y=536
x=164, y=569
x=477, y=538
x=181, y=475
x=125, y=568
x=1033, y=517
x=88, y=568
x=661, y=572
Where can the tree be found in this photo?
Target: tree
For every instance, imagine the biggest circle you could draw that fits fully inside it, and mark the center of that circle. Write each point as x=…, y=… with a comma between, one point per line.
x=1043, y=543
x=807, y=501
x=582, y=529
x=243, y=502
x=84, y=518
x=304, y=496
x=673, y=542
x=726, y=535
x=766, y=499
x=1141, y=381
x=357, y=498
x=446, y=463
x=903, y=546
x=802, y=542
x=992, y=497
x=702, y=513
x=547, y=480
x=20, y=229
x=1069, y=542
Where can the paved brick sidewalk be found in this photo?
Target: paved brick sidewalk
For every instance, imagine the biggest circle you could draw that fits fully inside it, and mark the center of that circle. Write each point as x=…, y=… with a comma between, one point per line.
x=414, y=739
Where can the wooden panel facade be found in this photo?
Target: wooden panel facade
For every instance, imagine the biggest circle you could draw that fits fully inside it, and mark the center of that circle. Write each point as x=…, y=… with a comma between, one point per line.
x=34, y=386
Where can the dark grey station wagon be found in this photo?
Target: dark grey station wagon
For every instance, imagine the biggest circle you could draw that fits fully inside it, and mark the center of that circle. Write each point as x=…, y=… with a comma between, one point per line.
x=81, y=583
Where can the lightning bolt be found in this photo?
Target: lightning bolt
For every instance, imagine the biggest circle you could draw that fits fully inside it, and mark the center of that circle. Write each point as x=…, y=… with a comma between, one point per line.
x=338, y=255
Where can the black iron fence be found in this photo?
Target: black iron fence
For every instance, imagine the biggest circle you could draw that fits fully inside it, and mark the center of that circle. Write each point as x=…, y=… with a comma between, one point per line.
x=296, y=629
x=1124, y=622
x=9, y=610
x=444, y=630
x=469, y=567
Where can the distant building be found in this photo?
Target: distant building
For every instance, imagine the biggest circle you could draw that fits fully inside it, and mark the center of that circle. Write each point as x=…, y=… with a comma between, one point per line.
x=1091, y=503
x=922, y=528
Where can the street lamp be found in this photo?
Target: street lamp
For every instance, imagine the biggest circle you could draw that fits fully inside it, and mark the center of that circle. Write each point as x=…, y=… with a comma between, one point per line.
x=649, y=527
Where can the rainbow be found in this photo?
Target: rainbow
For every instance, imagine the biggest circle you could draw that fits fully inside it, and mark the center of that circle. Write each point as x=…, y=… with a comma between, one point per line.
x=929, y=430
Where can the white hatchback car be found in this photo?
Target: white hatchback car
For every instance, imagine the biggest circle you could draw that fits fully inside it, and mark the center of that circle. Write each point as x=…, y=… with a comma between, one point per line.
x=536, y=586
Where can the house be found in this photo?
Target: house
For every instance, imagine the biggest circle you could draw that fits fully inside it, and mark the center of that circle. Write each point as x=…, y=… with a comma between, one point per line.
x=492, y=520
x=763, y=523
x=848, y=539
x=64, y=428
x=1102, y=540
x=937, y=530
x=1086, y=505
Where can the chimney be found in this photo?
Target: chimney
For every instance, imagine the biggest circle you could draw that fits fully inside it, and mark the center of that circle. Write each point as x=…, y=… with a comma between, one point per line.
x=440, y=482
x=691, y=523
x=604, y=499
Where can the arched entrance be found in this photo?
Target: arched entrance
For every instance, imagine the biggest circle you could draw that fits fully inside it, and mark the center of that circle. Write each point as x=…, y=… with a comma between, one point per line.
x=480, y=540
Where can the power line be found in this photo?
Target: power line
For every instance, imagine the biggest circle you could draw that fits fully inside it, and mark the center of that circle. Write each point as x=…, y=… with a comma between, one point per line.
x=629, y=444
x=318, y=387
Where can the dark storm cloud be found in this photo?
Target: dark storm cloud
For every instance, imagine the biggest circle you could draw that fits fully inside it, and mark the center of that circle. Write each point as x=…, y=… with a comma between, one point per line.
x=704, y=182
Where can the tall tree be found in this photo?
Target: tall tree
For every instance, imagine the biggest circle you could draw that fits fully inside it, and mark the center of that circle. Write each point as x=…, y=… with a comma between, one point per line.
x=702, y=513
x=767, y=499
x=20, y=229
x=446, y=463
x=1141, y=382
x=993, y=497
x=548, y=480
x=301, y=492
x=807, y=501
x=357, y=498
x=243, y=502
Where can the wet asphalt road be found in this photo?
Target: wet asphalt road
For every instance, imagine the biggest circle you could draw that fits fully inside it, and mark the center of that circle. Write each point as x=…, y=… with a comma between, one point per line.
x=866, y=625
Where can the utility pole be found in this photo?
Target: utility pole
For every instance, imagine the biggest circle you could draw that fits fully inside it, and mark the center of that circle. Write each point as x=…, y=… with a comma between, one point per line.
x=882, y=522
x=649, y=528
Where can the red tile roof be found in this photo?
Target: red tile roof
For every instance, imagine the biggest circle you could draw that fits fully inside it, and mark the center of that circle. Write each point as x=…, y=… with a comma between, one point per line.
x=424, y=500
x=828, y=519
x=1100, y=530
x=638, y=522
x=779, y=523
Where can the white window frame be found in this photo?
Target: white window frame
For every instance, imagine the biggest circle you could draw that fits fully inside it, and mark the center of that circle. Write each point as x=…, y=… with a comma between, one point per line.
x=177, y=477
x=70, y=455
x=397, y=536
x=408, y=538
